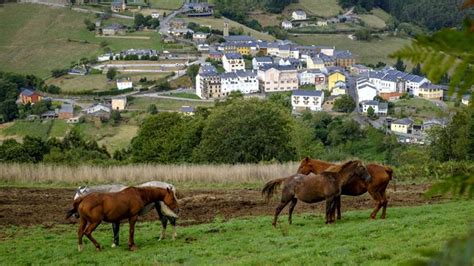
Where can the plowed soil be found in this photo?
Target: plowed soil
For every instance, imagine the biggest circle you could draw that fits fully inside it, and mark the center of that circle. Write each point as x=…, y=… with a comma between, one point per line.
x=30, y=206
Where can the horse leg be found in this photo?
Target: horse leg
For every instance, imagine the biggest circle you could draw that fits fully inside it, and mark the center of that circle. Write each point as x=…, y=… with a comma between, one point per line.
x=116, y=229
x=80, y=233
x=164, y=223
x=385, y=203
x=338, y=207
x=330, y=204
x=378, y=198
x=292, y=207
x=173, y=223
x=88, y=232
x=278, y=210
x=131, y=243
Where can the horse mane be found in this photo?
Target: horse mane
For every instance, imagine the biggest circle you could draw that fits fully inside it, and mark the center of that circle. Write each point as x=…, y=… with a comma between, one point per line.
x=158, y=184
x=338, y=167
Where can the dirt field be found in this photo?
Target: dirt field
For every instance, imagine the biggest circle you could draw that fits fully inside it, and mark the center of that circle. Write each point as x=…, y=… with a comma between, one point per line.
x=27, y=206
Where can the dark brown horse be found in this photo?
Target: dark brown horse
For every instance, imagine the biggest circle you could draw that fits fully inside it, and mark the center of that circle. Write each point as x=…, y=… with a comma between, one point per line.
x=116, y=206
x=314, y=188
x=376, y=185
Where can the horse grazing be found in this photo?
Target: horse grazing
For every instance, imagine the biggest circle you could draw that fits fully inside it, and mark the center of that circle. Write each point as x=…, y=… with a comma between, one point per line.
x=164, y=213
x=376, y=185
x=116, y=206
x=314, y=188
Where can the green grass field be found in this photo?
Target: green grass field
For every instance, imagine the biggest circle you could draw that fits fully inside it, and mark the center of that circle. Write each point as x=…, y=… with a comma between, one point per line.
x=142, y=103
x=321, y=8
x=424, y=108
x=34, y=38
x=98, y=82
x=185, y=95
x=218, y=23
x=355, y=240
x=166, y=4
x=365, y=52
x=30, y=128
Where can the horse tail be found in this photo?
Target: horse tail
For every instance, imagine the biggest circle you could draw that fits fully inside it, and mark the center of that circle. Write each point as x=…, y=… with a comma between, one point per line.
x=271, y=187
x=75, y=205
x=389, y=171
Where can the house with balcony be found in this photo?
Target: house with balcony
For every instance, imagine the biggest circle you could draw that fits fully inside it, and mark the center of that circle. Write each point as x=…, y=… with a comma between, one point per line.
x=274, y=78
x=233, y=62
x=243, y=81
x=307, y=100
x=208, y=82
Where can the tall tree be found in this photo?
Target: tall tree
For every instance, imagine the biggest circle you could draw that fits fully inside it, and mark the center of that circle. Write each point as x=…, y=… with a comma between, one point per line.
x=399, y=65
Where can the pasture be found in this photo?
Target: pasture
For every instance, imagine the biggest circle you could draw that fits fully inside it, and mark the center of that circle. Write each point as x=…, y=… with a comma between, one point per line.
x=166, y=4
x=320, y=8
x=246, y=240
x=37, y=38
x=365, y=52
x=218, y=23
x=142, y=103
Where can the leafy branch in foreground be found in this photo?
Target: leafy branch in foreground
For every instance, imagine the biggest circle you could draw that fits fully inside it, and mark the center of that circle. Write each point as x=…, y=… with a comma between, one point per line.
x=446, y=51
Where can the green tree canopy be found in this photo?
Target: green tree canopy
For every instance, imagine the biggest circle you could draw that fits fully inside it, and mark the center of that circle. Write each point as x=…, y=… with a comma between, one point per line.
x=246, y=131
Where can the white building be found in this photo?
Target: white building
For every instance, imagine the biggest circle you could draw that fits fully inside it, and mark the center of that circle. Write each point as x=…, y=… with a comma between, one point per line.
x=233, y=62
x=208, y=82
x=104, y=57
x=123, y=84
x=339, y=88
x=466, y=99
x=97, y=108
x=286, y=25
x=365, y=90
x=258, y=62
x=303, y=99
x=244, y=81
x=390, y=80
x=379, y=108
x=298, y=15
x=311, y=76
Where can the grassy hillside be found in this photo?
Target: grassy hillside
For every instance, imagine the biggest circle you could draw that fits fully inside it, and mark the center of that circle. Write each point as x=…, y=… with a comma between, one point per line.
x=166, y=4
x=142, y=103
x=253, y=241
x=366, y=52
x=218, y=23
x=321, y=8
x=34, y=38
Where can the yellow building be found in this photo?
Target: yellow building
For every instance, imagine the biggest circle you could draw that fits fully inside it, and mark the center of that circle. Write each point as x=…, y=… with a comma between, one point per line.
x=431, y=91
x=334, y=77
x=243, y=49
x=119, y=103
x=402, y=125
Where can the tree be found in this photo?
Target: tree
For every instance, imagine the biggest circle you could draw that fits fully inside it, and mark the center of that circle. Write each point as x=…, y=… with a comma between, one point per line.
x=192, y=72
x=246, y=131
x=116, y=117
x=399, y=65
x=41, y=107
x=111, y=73
x=417, y=70
x=363, y=35
x=166, y=138
x=371, y=113
x=139, y=20
x=344, y=104
x=89, y=25
x=9, y=110
x=152, y=109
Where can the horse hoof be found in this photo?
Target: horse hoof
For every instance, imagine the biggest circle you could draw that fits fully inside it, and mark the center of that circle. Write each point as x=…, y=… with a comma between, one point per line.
x=98, y=249
x=80, y=248
x=114, y=245
x=133, y=248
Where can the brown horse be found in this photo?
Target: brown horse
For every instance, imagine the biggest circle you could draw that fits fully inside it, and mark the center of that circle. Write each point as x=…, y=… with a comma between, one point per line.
x=314, y=188
x=376, y=185
x=115, y=206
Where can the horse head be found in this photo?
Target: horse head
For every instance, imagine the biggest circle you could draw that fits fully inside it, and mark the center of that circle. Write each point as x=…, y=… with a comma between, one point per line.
x=305, y=166
x=171, y=200
x=347, y=171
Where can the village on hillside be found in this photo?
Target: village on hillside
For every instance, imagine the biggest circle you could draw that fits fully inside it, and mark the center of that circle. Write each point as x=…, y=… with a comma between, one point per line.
x=220, y=63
